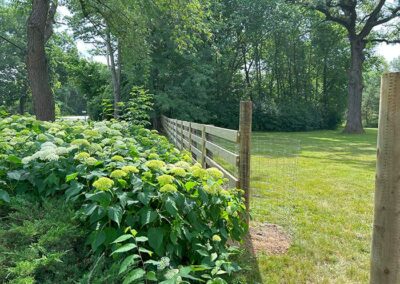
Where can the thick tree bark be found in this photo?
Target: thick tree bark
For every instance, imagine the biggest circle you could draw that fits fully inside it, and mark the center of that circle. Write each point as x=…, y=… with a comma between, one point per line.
x=115, y=74
x=38, y=32
x=355, y=88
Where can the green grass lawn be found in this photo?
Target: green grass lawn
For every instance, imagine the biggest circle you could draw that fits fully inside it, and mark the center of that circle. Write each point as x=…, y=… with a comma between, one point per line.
x=319, y=187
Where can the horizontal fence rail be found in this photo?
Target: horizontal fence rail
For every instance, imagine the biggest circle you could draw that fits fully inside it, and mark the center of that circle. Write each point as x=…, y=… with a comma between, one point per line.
x=209, y=145
x=199, y=140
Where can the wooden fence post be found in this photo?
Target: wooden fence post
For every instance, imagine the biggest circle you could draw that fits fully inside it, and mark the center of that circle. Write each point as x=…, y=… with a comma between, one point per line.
x=182, y=138
x=203, y=146
x=176, y=133
x=385, y=258
x=245, y=123
x=190, y=138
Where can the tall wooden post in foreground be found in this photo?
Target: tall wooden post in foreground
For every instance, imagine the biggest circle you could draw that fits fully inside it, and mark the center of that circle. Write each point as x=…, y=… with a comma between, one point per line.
x=385, y=259
x=245, y=146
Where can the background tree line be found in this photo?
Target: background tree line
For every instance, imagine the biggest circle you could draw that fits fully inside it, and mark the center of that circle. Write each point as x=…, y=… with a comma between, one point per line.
x=199, y=58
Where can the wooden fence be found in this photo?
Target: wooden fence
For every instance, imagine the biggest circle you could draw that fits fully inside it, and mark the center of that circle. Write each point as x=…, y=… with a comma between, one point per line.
x=199, y=139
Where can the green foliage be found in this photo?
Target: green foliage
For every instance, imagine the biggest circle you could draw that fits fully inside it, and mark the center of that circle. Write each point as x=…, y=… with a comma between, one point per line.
x=281, y=60
x=290, y=117
x=136, y=193
x=395, y=64
x=198, y=58
x=372, y=82
x=3, y=112
x=13, y=75
x=74, y=80
x=138, y=107
x=229, y=51
x=65, y=63
x=107, y=109
x=94, y=83
x=41, y=242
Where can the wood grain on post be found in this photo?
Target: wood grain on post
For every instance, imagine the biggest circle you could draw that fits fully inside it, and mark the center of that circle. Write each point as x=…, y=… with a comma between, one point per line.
x=385, y=258
x=244, y=151
x=203, y=146
x=182, y=144
x=190, y=138
x=176, y=133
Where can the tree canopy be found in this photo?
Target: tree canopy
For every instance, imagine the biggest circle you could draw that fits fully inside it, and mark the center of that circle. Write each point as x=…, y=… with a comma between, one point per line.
x=200, y=58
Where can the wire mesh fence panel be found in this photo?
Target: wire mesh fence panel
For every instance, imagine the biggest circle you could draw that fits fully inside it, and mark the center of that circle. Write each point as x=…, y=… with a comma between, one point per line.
x=274, y=170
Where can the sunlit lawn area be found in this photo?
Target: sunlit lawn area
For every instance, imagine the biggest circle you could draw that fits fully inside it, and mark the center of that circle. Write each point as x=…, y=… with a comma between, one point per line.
x=321, y=192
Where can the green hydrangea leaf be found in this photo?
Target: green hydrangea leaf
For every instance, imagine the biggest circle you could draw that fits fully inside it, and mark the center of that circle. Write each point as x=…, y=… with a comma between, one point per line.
x=134, y=275
x=128, y=261
x=4, y=196
x=147, y=216
x=124, y=248
x=151, y=275
x=115, y=214
x=122, y=238
x=99, y=239
x=141, y=239
x=71, y=177
x=156, y=236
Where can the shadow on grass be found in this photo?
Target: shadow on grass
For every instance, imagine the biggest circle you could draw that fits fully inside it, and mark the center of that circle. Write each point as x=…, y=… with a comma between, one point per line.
x=247, y=260
x=290, y=144
x=344, y=159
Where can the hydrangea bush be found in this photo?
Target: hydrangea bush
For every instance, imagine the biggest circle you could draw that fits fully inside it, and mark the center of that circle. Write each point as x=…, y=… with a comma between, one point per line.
x=160, y=217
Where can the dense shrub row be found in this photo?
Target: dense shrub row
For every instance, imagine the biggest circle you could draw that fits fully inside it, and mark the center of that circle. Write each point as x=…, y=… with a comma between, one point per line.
x=294, y=116
x=148, y=211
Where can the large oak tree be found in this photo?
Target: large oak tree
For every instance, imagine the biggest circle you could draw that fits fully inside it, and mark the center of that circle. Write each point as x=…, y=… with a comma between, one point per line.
x=39, y=31
x=361, y=19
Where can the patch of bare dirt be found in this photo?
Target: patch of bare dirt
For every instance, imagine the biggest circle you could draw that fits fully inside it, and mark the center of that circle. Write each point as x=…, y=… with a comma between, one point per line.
x=268, y=238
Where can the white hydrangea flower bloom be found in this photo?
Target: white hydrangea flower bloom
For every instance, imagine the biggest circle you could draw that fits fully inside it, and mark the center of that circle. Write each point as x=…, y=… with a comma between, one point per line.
x=27, y=160
x=48, y=152
x=52, y=157
x=48, y=145
x=62, y=150
x=117, y=126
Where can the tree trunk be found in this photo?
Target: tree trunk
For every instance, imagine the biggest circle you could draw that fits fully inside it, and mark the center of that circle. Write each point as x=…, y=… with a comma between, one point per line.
x=119, y=72
x=21, y=107
x=114, y=75
x=38, y=73
x=355, y=88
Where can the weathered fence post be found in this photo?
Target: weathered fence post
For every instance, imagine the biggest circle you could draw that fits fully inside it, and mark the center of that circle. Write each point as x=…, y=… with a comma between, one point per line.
x=203, y=146
x=176, y=132
x=245, y=123
x=190, y=137
x=385, y=258
x=182, y=144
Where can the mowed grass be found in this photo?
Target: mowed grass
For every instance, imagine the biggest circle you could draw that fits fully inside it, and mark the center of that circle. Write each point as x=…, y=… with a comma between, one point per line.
x=319, y=187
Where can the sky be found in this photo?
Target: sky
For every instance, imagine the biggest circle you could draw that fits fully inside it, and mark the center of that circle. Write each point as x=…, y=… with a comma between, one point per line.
x=389, y=52
x=83, y=48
